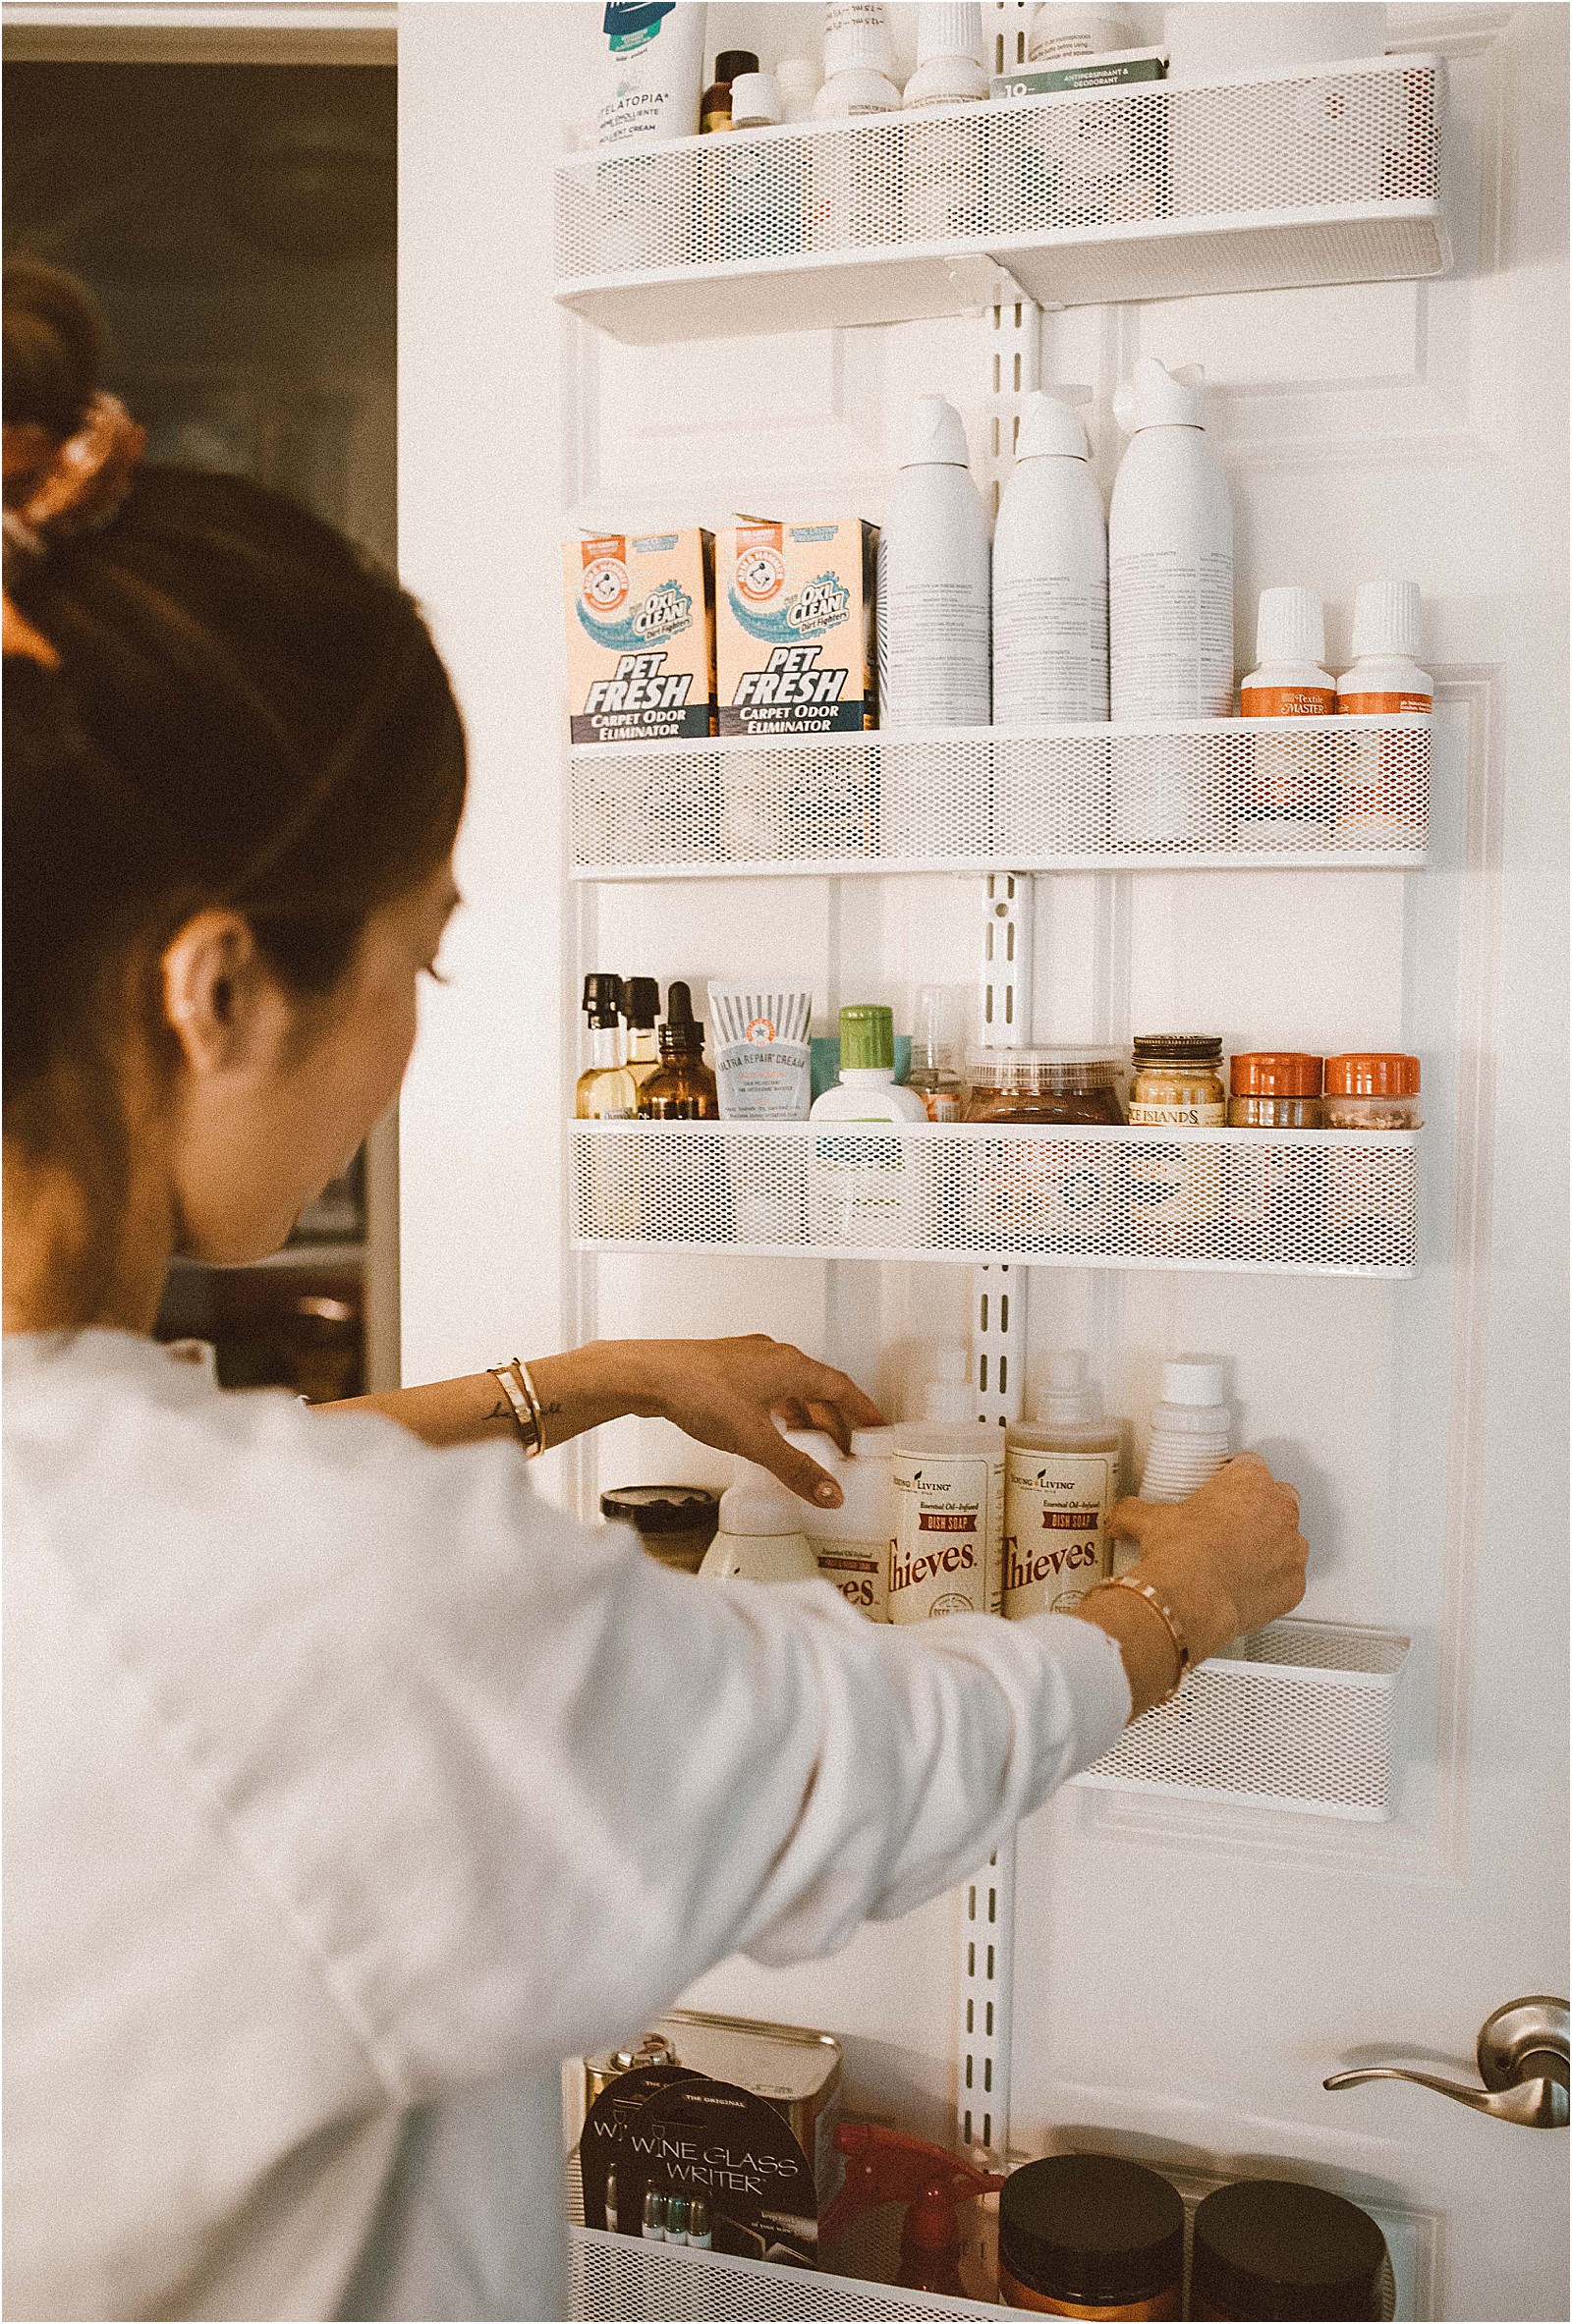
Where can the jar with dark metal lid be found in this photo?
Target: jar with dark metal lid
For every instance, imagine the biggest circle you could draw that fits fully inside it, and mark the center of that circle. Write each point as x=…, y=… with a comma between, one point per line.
x=1271, y=2248
x=675, y=1524
x=1087, y=2235
x=1178, y=1080
x=1274, y=1089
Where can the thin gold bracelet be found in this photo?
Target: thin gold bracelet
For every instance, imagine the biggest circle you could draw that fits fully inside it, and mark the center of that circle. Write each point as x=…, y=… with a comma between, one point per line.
x=513, y=1381
x=1166, y=1614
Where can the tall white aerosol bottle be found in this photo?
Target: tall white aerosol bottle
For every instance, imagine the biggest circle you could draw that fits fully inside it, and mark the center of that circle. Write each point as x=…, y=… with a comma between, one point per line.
x=935, y=582
x=1051, y=577
x=1170, y=555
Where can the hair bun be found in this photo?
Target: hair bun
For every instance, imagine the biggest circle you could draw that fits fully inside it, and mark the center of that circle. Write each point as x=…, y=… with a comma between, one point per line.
x=54, y=349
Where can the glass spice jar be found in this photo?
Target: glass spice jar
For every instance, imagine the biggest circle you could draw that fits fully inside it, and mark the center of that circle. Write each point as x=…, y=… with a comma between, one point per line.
x=1274, y=1089
x=1043, y=1085
x=1370, y=1090
x=1090, y=2234
x=1368, y=1196
x=675, y=1524
x=1177, y=1198
x=1277, y=2247
x=1275, y=1192
x=1178, y=1082
x=1047, y=1193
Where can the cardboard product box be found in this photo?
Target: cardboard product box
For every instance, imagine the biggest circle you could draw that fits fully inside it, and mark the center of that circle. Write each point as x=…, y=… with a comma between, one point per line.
x=1123, y=68
x=795, y=650
x=641, y=616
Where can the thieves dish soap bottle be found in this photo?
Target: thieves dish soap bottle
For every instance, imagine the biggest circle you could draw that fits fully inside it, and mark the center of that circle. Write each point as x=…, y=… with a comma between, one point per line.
x=1061, y=1481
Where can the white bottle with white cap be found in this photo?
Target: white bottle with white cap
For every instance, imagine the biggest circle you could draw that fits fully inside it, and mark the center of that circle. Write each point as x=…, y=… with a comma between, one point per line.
x=799, y=80
x=1061, y=1481
x=1288, y=681
x=859, y=65
x=758, y=183
x=1050, y=577
x=851, y=205
x=1385, y=679
x=1170, y=555
x=761, y=1537
x=1060, y=30
x=948, y=1475
x=852, y=1544
x=935, y=582
x=1192, y=1437
x=945, y=159
x=1284, y=797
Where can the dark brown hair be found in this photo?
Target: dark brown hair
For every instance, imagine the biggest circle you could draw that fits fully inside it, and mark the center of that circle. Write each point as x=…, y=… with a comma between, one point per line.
x=243, y=713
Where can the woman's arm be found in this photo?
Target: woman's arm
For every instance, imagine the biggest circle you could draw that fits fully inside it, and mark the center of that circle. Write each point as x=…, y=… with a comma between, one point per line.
x=726, y=1393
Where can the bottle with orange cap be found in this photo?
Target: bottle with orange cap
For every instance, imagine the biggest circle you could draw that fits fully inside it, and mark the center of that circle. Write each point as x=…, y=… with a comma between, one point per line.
x=1369, y=1201
x=1271, y=1193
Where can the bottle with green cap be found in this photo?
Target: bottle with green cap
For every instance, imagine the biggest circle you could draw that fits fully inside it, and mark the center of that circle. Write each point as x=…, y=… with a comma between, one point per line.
x=868, y=1090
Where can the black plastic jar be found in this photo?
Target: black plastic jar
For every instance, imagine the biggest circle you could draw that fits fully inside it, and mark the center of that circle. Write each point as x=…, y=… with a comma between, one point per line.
x=1269, y=2247
x=1086, y=2234
x=675, y=1524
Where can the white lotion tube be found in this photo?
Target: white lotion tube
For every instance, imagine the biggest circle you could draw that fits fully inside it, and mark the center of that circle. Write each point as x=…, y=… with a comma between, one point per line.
x=763, y=1058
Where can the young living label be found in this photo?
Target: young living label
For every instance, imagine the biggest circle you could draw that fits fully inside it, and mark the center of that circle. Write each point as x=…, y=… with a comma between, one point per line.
x=1057, y=1545
x=944, y=1558
x=856, y=1570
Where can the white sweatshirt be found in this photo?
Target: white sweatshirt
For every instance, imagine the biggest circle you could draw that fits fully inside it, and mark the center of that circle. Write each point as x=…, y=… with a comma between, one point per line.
x=349, y=1788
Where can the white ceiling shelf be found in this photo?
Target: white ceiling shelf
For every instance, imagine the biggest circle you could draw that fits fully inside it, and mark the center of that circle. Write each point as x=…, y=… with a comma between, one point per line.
x=1299, y=1202
x=1162, y=190
x=1225, y=794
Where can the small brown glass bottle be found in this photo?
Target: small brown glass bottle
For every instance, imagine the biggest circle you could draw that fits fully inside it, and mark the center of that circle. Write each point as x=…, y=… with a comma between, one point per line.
x=714, y=107
x=684, y=1088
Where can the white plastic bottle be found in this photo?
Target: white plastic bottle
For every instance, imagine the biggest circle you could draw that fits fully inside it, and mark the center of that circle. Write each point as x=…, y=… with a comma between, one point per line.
x=758, y=183
x=949, y=1504
x=935, y=582
x=1284, y=798
x=946, y=160
x=799, y=80
x=1288, y=681
x=1051, y=577
x=852, y=1544
x=1192, y=1431
x=1170, y=555
x=650, y=71
x=1061, y=1481
x=1385, y=679
x=868, y=1090
x=859, y=64
x=850, y=205
x=866, y=1192
x=1062, y=30
x=761, y=1537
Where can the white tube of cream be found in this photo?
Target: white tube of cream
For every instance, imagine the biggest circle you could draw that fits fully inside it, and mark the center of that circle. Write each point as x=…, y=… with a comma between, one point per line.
x=761, y=1052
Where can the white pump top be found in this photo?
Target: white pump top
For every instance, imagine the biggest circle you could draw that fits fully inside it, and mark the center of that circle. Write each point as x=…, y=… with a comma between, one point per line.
x=1068, y=1400
x=1188, y=1383
x=1387, y=619
x=1157, y=398
x=934, y=436
x=1290, y=626
x=1051, y=429
x=758, y=1508
x=949, y=29
x=950, y=1397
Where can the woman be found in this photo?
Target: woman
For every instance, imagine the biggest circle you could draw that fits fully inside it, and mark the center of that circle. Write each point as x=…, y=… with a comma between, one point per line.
x=349, y=1787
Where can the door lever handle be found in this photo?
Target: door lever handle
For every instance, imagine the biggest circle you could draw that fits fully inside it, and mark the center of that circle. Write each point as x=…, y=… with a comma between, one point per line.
x=1522, y=2057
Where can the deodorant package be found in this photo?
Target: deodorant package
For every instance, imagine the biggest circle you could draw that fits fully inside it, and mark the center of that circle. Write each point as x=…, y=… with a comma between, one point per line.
x=640, y=636
x=794, y=629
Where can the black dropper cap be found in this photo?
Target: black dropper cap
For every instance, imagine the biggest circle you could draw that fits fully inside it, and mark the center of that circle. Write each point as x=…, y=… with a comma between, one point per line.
x=601, y=994
x=640, y=1002
x=732, y=60
x=680, y=1036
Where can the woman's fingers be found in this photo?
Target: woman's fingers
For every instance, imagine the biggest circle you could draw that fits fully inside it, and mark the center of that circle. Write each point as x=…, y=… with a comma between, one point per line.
x=796, y=1471
x=1128, y=1519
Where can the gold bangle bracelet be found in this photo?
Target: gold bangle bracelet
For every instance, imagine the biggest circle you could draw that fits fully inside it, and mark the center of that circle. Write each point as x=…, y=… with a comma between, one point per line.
x=1166, y=1616
x=515, y=1382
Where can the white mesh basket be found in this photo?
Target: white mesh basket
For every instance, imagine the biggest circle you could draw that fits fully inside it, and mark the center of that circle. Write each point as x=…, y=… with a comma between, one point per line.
x=1284, y=1201
x=622, y=2276
x=1161, y=190
x=1210, y=795
x=1300, y=1715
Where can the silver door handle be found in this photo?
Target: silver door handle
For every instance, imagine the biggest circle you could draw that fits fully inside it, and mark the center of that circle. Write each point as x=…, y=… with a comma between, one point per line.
x=1522, y=2057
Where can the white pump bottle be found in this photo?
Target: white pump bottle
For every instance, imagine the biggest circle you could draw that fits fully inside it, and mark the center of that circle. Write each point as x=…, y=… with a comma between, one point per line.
x=1050, y=577
x=761, y=1537
x=1170, y=555
x=935, y=582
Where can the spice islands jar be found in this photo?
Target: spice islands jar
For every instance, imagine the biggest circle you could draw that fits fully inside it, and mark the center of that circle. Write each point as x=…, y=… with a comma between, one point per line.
x=1175, y=1199
x=1086, y=2234
x=1274, y=2247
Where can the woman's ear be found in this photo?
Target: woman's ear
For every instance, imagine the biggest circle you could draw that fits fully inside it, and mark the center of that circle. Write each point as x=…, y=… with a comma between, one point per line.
x=219, y=998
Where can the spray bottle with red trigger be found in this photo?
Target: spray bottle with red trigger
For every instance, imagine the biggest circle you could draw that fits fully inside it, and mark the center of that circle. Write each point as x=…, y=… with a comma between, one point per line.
x=886, y=2167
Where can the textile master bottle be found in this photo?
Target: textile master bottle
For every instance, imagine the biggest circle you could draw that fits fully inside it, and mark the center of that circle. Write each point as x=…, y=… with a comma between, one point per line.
x=1170, y=555
x=606, y=1090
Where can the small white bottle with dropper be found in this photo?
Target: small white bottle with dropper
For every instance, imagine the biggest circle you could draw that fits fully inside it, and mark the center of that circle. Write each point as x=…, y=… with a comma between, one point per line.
x=1061, y=1481
x=1192, y=1437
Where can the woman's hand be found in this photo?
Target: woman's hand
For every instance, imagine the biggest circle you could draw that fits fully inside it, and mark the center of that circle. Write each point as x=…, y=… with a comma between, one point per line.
x=731, y=1392
x=1228, y=1559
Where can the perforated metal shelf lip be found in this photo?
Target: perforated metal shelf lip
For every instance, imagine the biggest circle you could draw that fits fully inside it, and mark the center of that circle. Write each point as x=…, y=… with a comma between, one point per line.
x=714, y=2285
x=1089, y=728
x=934, y=1137
x=1018, y=859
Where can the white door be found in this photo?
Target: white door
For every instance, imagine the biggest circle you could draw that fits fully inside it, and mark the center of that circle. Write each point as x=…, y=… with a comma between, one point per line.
x=1185, y=1975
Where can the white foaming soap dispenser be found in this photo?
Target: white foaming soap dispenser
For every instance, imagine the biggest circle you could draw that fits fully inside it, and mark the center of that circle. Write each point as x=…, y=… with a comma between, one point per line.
x=1170, y=555
x=1051, y=575
x=935, y=582
x=761, y=1537
x=1191, y=1436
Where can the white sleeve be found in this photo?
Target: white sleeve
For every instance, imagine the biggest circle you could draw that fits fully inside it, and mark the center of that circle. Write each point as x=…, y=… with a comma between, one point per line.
x=516, y=1787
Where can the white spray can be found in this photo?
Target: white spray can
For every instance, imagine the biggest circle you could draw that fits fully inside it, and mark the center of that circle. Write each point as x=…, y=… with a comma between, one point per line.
x=948, y=1474
x=652, y=62
x=1170, y=555
x=935, y=582
x=1051, y=577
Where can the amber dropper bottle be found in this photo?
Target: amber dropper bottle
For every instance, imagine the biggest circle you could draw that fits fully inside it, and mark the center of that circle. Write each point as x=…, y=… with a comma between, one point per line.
x=641, y=1006
x=684, y=1089
x=606, y=1090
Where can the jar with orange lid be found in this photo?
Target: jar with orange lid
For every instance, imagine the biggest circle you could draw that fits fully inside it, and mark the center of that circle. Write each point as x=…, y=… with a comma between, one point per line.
x=1368, y=1197
x=1045, y=1194
x=1275, y=1192
x=1176, y=1198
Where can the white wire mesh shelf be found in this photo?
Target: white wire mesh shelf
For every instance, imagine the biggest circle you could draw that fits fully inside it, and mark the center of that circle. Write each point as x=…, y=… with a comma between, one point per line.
x=1277, y=1202
x=1301, y=1715
x=1170, y=189
x=1222, y=794
x=621, y=2276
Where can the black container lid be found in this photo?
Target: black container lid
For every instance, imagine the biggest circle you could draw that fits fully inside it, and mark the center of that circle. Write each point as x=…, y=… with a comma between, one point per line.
x=640, y=1001
x=1197, y=1048
x=1092, y=2230
x=732, y=60
x=602, y=993
x=662, y=1509
x=1274, y=2247
x=681, y=1036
